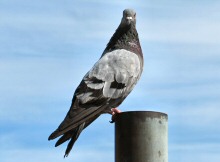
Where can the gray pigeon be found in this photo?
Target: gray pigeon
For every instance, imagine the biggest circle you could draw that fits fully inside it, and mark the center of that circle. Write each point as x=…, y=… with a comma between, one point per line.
x=107, y=84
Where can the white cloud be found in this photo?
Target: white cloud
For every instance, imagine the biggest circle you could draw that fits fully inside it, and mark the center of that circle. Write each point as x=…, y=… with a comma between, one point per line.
x=181, y=31
x=204, y=115
x=194, y=152
x=56, y=154
x=33, y=86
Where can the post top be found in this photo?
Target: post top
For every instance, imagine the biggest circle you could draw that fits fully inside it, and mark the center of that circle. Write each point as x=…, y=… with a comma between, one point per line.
x=141, y=114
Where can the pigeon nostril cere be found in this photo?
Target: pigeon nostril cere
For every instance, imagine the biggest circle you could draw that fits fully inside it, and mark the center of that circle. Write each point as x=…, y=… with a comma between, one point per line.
x=129, y=18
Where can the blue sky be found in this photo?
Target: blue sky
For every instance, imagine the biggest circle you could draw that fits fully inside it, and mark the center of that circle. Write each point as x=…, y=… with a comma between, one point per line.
x=46, y=47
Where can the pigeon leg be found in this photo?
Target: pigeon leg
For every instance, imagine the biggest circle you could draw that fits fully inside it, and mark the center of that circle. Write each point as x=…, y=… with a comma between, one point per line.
x=114, y=111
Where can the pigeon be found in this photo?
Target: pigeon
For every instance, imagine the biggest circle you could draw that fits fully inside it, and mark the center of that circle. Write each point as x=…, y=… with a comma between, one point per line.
x=107, y=84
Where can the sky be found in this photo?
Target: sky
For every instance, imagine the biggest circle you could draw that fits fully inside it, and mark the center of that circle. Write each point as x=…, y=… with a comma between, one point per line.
x=47, y=46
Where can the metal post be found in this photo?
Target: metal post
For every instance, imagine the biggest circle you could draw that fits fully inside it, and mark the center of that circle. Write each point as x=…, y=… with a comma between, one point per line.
x=141, y=136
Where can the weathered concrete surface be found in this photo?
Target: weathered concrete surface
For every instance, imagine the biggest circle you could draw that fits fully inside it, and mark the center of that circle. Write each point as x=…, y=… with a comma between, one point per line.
x=141, y=136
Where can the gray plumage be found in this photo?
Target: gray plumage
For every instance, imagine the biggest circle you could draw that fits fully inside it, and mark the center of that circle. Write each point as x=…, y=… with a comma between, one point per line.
x=107, y=84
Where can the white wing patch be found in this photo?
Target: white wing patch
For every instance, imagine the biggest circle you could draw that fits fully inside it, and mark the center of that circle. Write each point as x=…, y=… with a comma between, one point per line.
x=92, y=85
x=85, y=97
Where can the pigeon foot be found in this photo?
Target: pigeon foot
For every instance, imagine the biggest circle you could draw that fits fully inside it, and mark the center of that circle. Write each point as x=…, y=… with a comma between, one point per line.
x=114, y=111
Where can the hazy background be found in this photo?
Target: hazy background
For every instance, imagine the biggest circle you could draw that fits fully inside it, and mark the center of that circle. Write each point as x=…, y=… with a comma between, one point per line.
x=47, y=46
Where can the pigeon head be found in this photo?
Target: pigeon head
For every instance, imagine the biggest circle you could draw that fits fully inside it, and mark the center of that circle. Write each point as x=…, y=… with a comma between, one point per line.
x=125, y=34
x=129, y=18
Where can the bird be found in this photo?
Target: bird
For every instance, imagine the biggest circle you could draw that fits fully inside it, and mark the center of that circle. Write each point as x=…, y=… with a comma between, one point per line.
x=105, y=86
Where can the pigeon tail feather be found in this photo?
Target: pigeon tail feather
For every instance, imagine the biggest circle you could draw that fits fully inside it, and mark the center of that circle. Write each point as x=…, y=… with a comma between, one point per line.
x=65, y=137
x=71, y=133
x=78, y=130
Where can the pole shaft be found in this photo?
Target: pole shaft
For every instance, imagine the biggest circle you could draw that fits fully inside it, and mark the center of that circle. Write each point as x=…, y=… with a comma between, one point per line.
x=141, y=136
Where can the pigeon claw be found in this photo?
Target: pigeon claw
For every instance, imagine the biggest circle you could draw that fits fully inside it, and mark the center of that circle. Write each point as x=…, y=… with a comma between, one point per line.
x=114, y=111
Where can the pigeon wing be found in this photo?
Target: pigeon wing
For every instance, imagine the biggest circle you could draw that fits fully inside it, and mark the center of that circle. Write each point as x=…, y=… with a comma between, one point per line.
x=105, y=86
